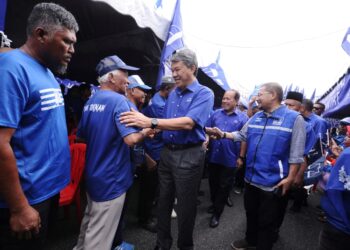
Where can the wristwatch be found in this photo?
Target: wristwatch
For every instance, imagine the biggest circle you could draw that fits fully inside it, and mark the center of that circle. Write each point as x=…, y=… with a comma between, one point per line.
x=154, y=123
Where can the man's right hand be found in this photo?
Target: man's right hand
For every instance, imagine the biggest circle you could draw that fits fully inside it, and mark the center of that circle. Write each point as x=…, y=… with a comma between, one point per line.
x=25, y=223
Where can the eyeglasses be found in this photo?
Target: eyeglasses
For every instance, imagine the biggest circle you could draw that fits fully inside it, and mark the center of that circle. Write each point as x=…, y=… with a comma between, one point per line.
x=317, y=108
x=263, y=93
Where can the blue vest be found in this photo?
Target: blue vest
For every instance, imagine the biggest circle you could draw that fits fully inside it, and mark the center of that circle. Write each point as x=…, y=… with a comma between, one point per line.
x=268, y=141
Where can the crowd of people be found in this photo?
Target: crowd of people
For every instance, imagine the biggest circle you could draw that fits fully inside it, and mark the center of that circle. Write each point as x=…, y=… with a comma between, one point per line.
x=267, y=147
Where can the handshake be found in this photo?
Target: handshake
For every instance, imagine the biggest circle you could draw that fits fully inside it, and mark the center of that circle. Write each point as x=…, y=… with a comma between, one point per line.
x=215, y=133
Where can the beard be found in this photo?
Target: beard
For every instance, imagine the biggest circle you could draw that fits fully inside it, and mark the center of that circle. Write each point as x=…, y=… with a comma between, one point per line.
x=59, y=69
x=55, y=65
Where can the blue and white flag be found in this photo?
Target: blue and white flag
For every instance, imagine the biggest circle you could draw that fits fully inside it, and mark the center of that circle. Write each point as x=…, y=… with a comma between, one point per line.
x=172, y=43
x=346, y=42
x=215, y=72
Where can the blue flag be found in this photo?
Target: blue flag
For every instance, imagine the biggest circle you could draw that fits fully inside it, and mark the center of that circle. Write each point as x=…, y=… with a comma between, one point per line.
x=2, y=14
x=215, y=72
x=346, y=43
x=312, y=98
x=172, y=43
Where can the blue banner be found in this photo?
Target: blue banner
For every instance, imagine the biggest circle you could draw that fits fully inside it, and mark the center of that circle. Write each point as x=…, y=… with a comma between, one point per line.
x=337, y=101
x=3, y=4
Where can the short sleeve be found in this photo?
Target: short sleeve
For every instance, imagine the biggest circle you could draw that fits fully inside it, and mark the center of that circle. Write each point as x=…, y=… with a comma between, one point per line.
x=14, y=95
x=201, y=107
x=121, y=107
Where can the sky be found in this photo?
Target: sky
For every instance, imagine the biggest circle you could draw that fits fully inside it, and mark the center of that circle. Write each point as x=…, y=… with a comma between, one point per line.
x=286, y=41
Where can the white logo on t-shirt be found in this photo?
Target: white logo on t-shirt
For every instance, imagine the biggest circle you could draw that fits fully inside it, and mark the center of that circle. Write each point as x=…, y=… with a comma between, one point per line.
x=51, y=98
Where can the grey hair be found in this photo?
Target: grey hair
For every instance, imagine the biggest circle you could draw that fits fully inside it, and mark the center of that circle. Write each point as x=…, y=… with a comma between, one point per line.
x=236, y=93
x=274, y=87
x=104, y=78
x=187, y=56
x=50, y=17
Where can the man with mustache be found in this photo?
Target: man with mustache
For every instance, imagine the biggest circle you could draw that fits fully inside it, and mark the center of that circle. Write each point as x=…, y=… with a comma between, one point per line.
x=34, y=150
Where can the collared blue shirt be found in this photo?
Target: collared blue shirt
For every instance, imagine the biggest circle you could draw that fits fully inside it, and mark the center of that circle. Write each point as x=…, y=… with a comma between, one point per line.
x=155, y=109
x=196, y=102
x=225, y=151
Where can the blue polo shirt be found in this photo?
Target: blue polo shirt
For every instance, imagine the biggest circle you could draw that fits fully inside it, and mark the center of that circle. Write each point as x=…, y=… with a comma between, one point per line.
x=336, y=201
x=155, y=109
x=31, y=103
x=225, y=151
x=108, y=170
x=196, y=102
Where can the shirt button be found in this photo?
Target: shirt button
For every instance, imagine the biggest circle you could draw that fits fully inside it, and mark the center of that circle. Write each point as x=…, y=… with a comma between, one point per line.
x=177, y=105
x=171, y=135
x=174, y=115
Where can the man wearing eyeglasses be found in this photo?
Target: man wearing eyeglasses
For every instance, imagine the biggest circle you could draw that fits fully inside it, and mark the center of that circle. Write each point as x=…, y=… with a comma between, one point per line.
x=275, y=139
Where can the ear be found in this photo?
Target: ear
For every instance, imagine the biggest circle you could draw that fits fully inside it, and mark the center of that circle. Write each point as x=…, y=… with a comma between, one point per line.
x=40, y=34
x=193, y=68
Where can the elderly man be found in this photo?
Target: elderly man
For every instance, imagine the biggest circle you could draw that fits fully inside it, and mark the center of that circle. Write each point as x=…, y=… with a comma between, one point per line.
x=224, y=153
x=275, y=140
x=108, y=171
x=34, y=151
x=182, y=159
x=136, y=91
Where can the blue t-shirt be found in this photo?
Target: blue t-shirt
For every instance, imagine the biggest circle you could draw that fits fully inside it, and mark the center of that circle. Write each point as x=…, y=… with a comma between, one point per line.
x=336, y=201
x=31, y=102
x=196, y=102
x=225, y=151
x=108, y=170
x=155, y=109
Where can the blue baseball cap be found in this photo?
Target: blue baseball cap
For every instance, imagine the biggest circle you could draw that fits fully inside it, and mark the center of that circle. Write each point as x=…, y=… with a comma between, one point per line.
x=111, y=63
x=135, y=81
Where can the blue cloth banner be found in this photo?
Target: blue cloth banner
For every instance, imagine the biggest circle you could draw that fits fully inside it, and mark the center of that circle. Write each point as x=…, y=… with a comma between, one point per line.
x=172, y=43
x=346, y=43
x=3, y=4
x=337, y=101
x=215, y=72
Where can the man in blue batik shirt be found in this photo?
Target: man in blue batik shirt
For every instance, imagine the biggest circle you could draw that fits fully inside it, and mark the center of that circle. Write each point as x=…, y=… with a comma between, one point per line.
x=224, y=153
x=182, y=158
x=34, y=150
x=336, y=204
x=108, y=171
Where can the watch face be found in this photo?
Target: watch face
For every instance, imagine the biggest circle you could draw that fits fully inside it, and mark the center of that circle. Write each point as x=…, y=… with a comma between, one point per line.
x=154, y=122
